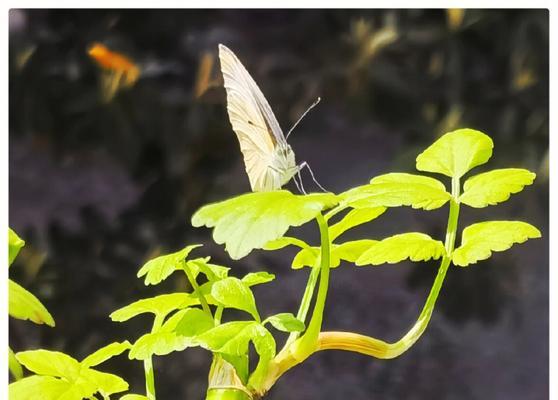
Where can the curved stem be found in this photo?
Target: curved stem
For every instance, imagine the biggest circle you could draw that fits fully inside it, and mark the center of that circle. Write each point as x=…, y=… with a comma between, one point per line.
x=350, y=341
x=197, y=291
x=148, y=364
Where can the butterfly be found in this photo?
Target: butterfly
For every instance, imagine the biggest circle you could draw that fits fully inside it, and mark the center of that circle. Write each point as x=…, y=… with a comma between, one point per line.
x=269, y=160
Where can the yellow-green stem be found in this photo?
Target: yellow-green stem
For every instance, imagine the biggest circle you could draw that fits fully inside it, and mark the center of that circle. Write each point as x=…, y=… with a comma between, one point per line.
x=148, y=364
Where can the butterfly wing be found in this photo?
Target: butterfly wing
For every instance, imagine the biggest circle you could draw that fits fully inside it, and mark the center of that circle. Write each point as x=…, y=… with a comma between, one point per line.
x=253, y=122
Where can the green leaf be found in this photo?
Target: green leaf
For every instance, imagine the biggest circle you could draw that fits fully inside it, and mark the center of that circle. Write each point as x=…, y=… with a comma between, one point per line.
x=24, y=305
x=495, y=186
x=284, y=242
x=38, y=387
x=285, y=322
x=105, y=383
x=233, y=293
x=481, y=239
x=160, y=305
x=233, y=338
x=213, y=272
x=51, y=363
x=158, y=343
x=192, y=323
x=257, y=278
x=250, y=221
x=14, y=365
x=354, y=218
x=415, y=246
x=456, y=152
x=15, y=243
x=162, y=267
x=348, y=251
x=105, y=353
x=133, y=397
x=398, y=189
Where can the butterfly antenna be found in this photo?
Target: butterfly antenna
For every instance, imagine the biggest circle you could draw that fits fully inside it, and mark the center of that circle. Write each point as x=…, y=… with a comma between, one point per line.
x=305, y=165
x=314, y=104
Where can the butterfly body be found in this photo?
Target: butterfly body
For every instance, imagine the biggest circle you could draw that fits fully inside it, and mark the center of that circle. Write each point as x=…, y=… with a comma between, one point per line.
x=269, y=160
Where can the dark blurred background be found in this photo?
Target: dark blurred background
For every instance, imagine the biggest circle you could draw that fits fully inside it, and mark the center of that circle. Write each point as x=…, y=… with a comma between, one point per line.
x=98, y=187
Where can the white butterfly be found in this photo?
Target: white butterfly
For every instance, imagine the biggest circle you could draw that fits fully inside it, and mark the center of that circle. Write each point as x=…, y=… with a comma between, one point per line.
x=269, y=159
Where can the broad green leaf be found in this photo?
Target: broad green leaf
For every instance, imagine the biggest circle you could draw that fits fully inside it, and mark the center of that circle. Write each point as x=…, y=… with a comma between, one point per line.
x=284, y=242
x=351, y=251
x=495, y=186
x=24, y=305
x=134, y=397
x=38, y=387
x=398, y=189
x=14, y=365
x=481, y=239
x=250, y=221
x=192, y=323
x=286, y=322
x=213, y=272
x=354, y=218
x=162, y=267
x=160, y=305
x=348, y=251
x=15, y=243
x=233, y=293
x=413, y=245
x=105, y=383
x=51, y=363
x=257, y=278
x=456, y=152
x=105, y=353
x=233, y=338
x=158, y=343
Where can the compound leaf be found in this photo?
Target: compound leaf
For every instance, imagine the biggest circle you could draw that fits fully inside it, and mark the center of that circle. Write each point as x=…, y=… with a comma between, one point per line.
x=481, y=239
x=14, y=365
x=257, y=278
x=15, y=243
x=105, y=353
x=456, y=152
x=284, y=242
x=233, y=293
x=158, y=343
x=413, y=245
x=286, y=322
x=38, y=387
x=351, y=251
x=495, y=186
x=162, y=267
x=50, y=363
x=398, y=189
x=252, y=220
x=213, y=272
x=24, y=305
x=132, y=396
x=160, y=305
x=348, y=251
x=105, y=383
x=354, y=218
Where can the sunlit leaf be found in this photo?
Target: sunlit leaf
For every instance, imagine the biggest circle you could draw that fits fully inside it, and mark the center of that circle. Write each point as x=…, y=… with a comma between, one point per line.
x=398, y=189
x=286, y=322
x=105, y=383
x=24, y=305
x=233, y=293
x=105, y=353
x=348, y=251
x=257, y=278
x=192, y=323
x=413, y=245
x=213, y=272
x=351, y=251
x=159, y=305
x=14, y=365
x=308, y=257
x=284, y=242
x=132, y=396
x=162, y=267
x=481, y=239
x=51, y=363
x=158, y=343
x=15, y=243
x=495, y=186
x=38, y=387
x=252, y=220
x=455, y=153
x=354, y=218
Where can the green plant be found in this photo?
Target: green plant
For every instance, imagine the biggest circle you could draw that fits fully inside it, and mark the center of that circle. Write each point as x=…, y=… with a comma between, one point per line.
x=194, y=317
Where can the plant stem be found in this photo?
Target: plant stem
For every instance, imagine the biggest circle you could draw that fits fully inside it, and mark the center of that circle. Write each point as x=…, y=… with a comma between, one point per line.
x=306, y=300
x=148, y=364
x=350, y=341
x=197, y=291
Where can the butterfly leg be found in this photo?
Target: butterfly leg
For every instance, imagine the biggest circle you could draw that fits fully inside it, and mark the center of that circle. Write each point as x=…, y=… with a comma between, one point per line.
x=304, y=164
